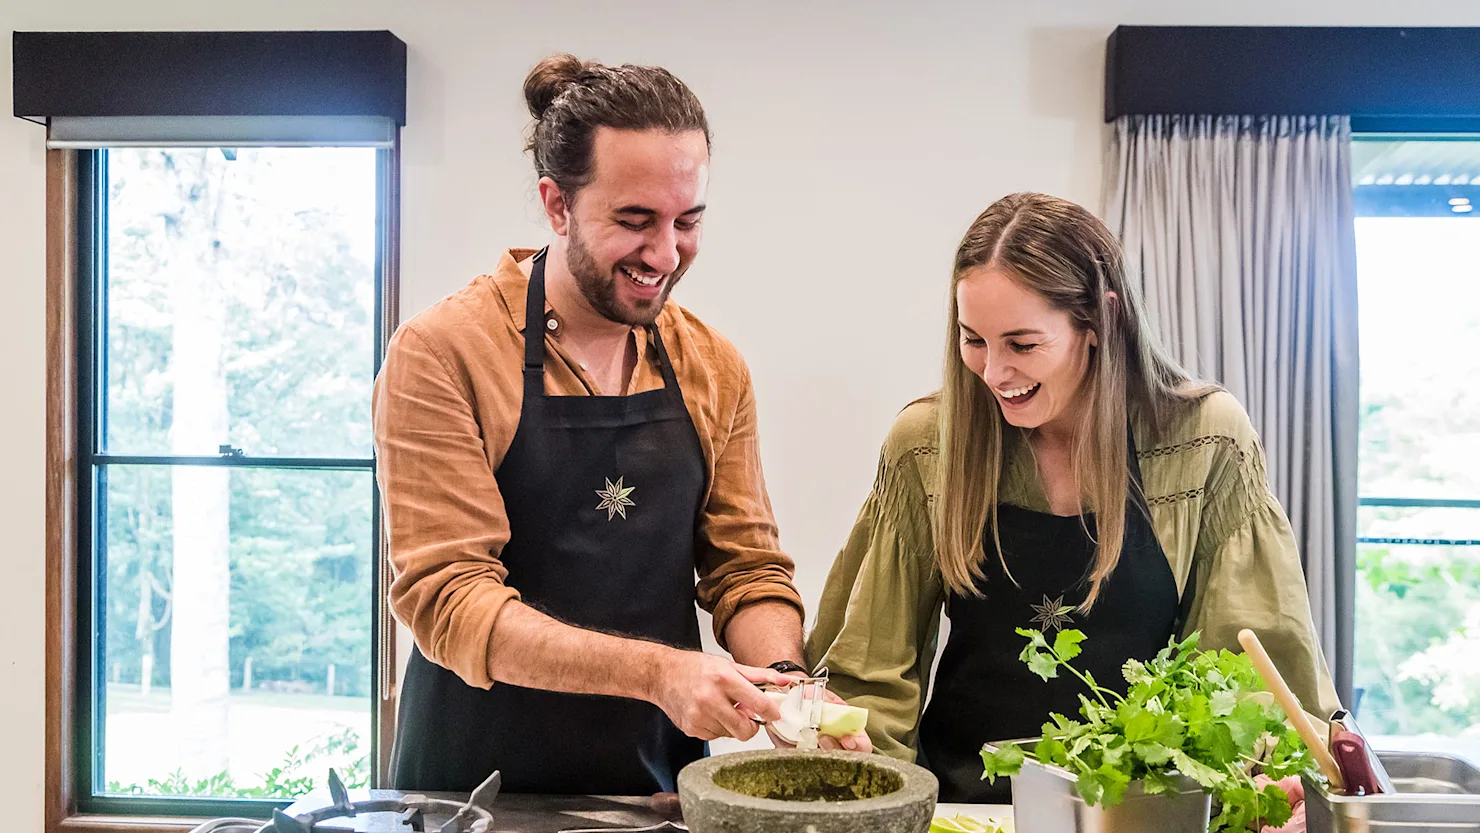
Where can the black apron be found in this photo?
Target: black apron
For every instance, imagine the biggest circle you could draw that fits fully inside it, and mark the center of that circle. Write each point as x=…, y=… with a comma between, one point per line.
x=603, y=495
x=983, y=692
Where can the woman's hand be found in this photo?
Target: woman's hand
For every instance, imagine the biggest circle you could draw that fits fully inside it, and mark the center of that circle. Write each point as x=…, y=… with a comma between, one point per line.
x=856, y=742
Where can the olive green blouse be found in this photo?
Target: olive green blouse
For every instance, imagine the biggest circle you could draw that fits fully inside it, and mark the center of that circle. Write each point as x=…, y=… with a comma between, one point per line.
x=1210, y=503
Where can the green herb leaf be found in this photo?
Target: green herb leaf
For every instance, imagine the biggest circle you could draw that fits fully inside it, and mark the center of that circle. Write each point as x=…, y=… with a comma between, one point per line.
x=1203, y=714
x=1140, y=725
x=1113, y=784
x=1044, y=665
x=1246, y=724
x=1274, y=806
x=1216, y=744
x=1239, y=808
x=1051, y=751
x=1007, y=760
x=1158, y=781
x=1066, y=644
x=1223, y=702
x=1035, y=638
x=1199, y=772
x=1154, y=754
x=1090, y=788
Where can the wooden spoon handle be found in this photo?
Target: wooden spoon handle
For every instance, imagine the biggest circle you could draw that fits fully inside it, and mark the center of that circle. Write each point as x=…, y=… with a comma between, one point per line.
x=1297, y=716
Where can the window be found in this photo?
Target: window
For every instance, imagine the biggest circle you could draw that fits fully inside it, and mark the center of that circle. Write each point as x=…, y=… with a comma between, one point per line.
x=222, y=218
x=230, y=308
x=1417, y=673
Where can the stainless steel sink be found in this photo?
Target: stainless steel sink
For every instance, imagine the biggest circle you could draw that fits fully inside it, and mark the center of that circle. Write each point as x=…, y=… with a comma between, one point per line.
x=1437, y=793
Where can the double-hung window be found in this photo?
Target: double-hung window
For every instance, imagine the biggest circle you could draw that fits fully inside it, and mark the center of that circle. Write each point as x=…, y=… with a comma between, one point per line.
x=1417, y=646
x=230, y=306
x=217, y=321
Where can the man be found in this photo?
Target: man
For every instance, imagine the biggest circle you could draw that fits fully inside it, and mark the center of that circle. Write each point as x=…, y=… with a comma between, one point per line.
x=548, y=499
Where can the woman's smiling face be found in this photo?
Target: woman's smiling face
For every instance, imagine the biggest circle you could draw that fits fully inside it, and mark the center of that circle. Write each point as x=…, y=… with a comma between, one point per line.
x=1030, y=355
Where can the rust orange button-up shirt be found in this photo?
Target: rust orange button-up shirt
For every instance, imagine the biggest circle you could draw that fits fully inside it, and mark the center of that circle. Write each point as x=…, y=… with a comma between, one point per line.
x=446, y=406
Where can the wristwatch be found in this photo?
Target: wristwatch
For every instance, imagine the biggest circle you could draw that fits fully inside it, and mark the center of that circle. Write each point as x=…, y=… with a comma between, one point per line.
x=786, y=666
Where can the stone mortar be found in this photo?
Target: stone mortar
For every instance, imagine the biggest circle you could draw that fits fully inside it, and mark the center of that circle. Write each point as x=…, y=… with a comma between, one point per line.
x=790, y=791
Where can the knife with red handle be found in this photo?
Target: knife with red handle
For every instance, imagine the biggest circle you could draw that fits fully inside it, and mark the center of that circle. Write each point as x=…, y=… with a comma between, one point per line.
x=1350, y=752
x=1356, y=759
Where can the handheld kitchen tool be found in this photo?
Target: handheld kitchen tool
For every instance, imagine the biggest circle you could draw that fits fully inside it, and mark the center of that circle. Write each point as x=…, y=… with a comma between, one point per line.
x=1350, y=752
x=812, y=692
x=1293, y=711
x=814, y=696
x=1344, y=720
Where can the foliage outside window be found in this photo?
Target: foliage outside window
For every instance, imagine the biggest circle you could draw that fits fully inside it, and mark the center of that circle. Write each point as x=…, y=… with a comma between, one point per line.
x=1418, y=567
x=233, y=346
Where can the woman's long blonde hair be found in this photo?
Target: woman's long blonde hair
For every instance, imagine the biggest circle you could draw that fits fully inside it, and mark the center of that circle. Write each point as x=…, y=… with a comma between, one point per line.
x=1065, y=254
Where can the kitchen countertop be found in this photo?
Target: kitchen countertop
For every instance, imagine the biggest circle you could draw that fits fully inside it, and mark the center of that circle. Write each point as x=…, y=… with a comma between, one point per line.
x=515, y=813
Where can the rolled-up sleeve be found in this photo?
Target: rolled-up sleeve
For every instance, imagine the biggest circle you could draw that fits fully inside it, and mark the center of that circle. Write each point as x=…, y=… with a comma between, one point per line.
x=445, y=521
x=879, y=618
x=739, y=556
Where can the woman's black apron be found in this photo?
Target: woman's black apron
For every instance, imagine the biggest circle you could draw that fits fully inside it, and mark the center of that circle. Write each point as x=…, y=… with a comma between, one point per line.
x=983, y=692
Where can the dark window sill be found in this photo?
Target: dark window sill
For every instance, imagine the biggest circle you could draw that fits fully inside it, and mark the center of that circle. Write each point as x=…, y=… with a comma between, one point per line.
x=127, y=824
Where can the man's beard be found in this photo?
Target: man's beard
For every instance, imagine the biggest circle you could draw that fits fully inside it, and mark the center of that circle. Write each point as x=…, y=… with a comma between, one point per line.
x=600, y=289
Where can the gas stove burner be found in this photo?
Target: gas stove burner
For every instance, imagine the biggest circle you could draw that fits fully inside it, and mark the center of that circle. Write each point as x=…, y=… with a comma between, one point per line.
x=476, y=816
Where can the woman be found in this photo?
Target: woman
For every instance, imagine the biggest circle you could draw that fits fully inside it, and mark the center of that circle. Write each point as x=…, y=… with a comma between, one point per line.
x=1067, y=475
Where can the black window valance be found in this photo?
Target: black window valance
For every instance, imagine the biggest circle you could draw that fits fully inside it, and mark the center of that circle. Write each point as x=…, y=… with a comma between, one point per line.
x=1391, y=79
x=209, y=74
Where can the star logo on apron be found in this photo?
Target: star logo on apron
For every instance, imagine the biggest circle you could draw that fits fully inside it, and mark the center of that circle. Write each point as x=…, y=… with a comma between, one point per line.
x=615, y=499
x=1053, y=614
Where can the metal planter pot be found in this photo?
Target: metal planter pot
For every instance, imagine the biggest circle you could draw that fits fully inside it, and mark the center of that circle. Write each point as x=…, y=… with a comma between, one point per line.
x=1044, y=800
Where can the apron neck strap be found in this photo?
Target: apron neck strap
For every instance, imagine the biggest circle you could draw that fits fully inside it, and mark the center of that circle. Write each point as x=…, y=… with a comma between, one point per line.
x=534, y=320
x=1132, y=460
x=1138, y=498
x=670, y=380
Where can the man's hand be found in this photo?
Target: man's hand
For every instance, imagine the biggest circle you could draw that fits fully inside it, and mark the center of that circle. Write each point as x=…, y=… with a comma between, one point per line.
x=710, y=697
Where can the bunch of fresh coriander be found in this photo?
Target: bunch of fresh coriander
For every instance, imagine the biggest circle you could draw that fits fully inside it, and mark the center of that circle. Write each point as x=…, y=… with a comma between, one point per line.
x=1203, y=714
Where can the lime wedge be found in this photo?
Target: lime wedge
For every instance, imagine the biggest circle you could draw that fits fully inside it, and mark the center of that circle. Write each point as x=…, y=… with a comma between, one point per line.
x=961, y=824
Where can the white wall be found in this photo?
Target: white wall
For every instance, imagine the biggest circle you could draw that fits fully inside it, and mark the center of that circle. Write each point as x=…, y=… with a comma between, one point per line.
x=854, y=141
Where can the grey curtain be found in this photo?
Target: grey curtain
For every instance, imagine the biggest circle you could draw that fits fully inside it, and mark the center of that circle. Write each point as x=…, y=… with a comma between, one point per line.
x=1241, y=229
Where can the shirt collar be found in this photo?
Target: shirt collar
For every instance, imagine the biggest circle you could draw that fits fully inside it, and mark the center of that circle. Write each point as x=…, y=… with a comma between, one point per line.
x=513, y=284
